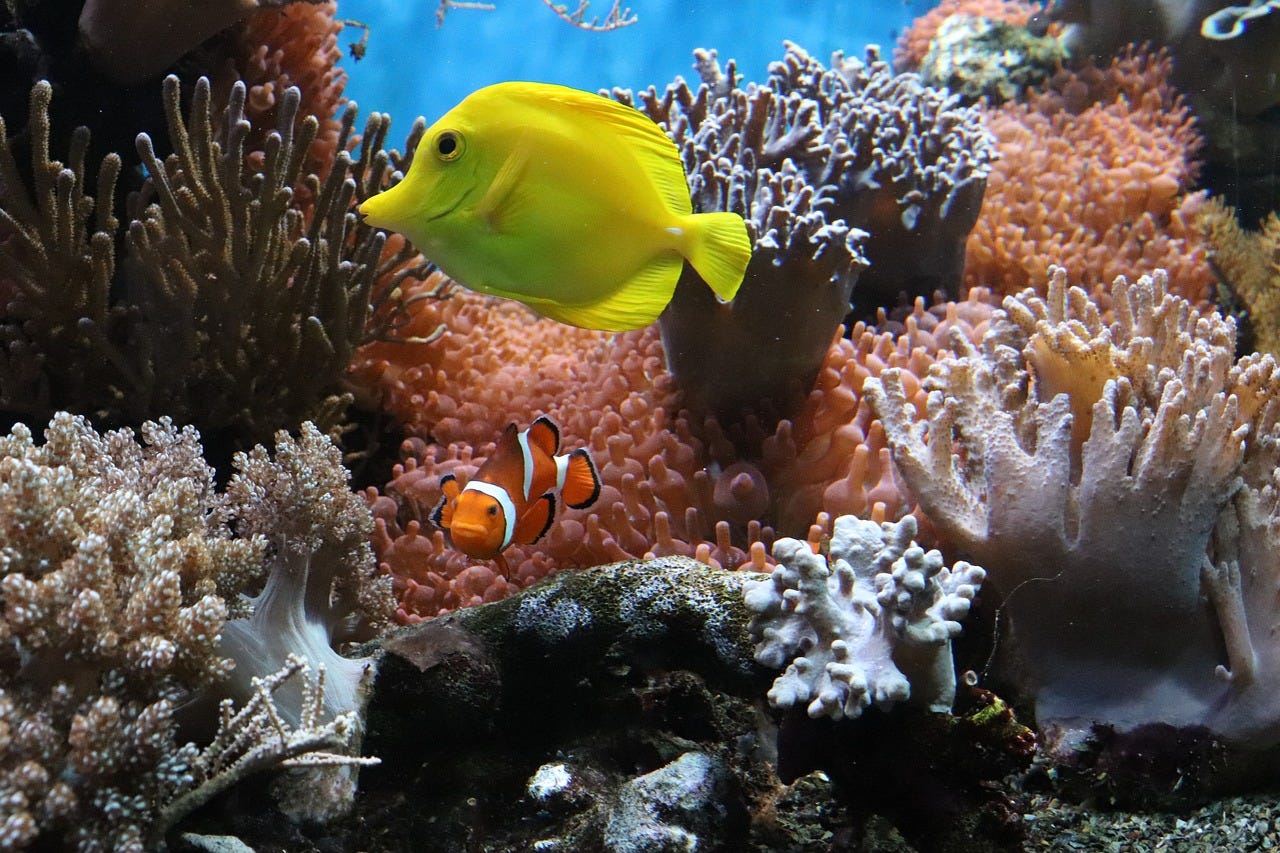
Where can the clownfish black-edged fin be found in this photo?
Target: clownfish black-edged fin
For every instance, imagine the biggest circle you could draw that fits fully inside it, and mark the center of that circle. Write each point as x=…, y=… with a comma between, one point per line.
x=544, y=434
x=442, y=513
x=536, y=521
x=581, y=482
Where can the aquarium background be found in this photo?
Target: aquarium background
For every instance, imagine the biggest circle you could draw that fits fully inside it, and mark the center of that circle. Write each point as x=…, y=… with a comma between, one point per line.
x=415, y=68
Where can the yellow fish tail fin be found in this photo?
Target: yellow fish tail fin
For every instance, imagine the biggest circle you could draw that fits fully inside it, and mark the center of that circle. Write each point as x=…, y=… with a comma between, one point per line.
x=719, y=249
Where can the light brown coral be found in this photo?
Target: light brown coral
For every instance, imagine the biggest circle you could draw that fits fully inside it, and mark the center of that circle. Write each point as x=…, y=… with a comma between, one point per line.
x=671, y=486
x=1248, y=264
x=1094, y=174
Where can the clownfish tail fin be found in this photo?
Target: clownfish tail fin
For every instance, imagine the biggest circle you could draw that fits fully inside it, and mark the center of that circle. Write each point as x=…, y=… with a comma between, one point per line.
x=581, y=484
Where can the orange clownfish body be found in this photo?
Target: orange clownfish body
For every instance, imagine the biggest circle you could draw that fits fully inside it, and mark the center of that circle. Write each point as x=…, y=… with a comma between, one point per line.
x=512, y=498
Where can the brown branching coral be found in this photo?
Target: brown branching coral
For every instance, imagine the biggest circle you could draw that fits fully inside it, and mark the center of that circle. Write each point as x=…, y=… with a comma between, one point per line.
x=119, y=572
x=811, y=159
x=229, y=307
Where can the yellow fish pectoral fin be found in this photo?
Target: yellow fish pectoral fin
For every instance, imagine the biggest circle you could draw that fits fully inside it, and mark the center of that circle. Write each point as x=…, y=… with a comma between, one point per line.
x=498, y=198
x=634, y=305
x=718, y=250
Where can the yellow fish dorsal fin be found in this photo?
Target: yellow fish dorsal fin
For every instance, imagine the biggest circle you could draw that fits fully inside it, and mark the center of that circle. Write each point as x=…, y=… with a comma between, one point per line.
x=655, y=154
x=498, y=197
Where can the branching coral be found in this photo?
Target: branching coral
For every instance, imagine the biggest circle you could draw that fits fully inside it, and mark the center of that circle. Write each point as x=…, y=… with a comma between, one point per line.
x=230, y=306
x=119, y=572
x=810, y=159
x=1086, y=466
x=1094, y=173
x=869, y=623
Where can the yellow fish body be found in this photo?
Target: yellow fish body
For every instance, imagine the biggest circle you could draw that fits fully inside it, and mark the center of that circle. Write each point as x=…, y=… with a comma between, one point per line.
x=570, y=202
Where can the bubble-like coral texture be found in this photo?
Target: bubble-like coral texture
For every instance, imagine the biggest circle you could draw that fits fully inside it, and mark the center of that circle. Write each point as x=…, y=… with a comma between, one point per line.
x=672, y=484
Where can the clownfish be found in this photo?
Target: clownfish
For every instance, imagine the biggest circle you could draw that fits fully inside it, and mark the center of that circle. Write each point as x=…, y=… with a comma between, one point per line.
x=511, y=500
x=572, y=203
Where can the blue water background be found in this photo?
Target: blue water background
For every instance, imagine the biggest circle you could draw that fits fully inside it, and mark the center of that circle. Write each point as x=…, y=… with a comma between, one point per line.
x=412, y=68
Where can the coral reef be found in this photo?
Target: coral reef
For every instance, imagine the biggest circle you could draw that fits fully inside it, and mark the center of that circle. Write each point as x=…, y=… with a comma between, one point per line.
x=871, y=622
x=1095, y=470
x=120, y=571
x=1094, y=174
x=224, y=284
x=673, y=484
x=812, y=158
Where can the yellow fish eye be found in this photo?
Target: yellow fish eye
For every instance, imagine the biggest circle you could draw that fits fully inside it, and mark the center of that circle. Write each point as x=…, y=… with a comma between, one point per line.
x=448, y=145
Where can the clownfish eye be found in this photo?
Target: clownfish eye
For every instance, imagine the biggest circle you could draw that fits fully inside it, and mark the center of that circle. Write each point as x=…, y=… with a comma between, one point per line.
x=493, y=510
x=449, y=145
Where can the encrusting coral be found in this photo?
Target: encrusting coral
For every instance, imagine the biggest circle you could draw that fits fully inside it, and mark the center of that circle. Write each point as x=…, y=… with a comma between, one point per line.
x=230, y=307
x=870, y=622
x=1095, y=471
x=811, y=159
x=120, y=570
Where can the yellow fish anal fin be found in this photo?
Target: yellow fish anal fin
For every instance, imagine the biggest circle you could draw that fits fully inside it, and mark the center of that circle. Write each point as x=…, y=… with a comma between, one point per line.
x=718, y=248
x=636, y=304
x=498, y=198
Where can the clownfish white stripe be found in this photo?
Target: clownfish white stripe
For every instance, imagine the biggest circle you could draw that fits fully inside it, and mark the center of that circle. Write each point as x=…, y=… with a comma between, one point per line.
x=500, y=495
x=562, y=470
x=526, y=459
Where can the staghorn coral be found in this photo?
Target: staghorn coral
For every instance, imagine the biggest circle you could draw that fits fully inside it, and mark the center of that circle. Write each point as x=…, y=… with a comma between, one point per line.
x=119, y=572
x=224, y=285
x=811, y=159
x=1094, y=174
x=1095, y=470
x=673, y=484
x=869, y=623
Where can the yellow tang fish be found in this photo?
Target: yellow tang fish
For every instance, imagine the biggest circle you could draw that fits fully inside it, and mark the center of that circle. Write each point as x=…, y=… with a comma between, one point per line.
x=570, y=202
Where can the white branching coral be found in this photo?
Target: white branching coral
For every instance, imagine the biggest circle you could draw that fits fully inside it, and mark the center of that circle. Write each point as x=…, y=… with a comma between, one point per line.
x=1087, y=464
x=871, y=623
x=119, y=566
